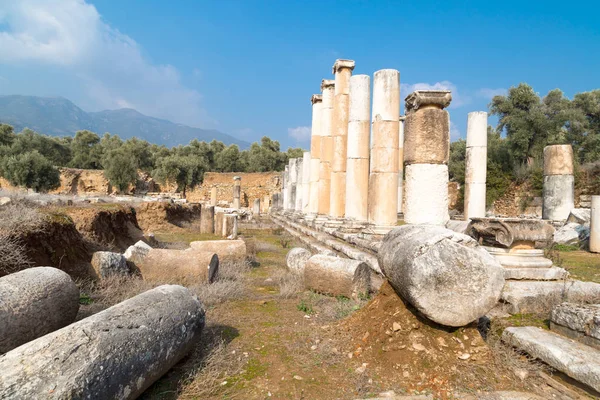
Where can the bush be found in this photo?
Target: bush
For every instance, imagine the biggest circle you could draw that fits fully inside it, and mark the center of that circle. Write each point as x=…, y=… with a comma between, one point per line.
x=31, y=170
x=120, y=169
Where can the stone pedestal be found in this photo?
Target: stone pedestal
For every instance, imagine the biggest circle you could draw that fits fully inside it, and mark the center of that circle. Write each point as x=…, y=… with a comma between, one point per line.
x=426, y=153
x=357, y=165
x=327, y=86
x=383, y=178
x=595, y=225
x=315, y=155
x=475, y=165
x=558, y=182
x=343, y=71
x=401, y=163
x=237, y=191
x=213, y=196
x=305, y=182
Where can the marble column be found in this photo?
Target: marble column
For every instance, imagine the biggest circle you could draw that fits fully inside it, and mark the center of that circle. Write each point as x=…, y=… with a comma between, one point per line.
x=595, y=225
x=265, y=204
x=305, y=182
x=357, y=163
x=237, y=191
x=339, y=128
x=315, y=155
x=475, y=165
x=299, y=188
x=426, y=153
x=327, y=86
x=213, y=196
x=256, y=207
x=293, y=162
x=285, y=191
x=383, y=178
x=400, y=163
x=559, y=183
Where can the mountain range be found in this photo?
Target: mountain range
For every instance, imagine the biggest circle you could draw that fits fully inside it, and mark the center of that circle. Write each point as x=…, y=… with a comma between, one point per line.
x=58, y=116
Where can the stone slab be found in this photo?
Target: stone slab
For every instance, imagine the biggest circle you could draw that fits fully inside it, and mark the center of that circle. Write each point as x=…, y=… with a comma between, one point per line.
x=584, y=318
x=576, y=360
x=541, y=297
x=535, y=274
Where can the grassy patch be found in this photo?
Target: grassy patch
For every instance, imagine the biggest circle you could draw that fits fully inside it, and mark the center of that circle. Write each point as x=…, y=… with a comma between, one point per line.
x=529, y=320
x=581, y=265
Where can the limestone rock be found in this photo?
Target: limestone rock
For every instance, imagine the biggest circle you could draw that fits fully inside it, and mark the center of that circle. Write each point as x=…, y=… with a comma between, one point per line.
x=576, y=360
x=571, y=233
x=137, y=251
x=34, y=302
x=446, y=275
x=115, y=354
x=227, y=250
x=107, y=263
x=540, y=297
x=584, y=318
x=4, y=200
x=296, y=259
x=581, y=216
x=189, y=266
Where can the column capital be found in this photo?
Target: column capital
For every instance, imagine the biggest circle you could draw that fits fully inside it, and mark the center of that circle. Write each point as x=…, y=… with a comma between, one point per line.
x=316, y=98
x=327, y=84
x=341, y=63
x=420, y=98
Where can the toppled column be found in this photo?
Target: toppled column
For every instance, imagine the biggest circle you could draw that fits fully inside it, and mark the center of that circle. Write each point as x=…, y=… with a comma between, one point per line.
x=237, y=191
x=383, y=179
x=426, y=153
x=305, y=182
x=327, y=87
x=339, y=127
x=559, y=183
x=213, y=196
x=401, y=163
x=337, y=276
x=357, y=163
x=315, y=155
x=475, y=165
x=226, y=250
x=114, y=354
x=169, y=265
x=299, y=188
x=595, y=225
x=256, y=207
x=33, y=303
x=207, y=220
x=297, y=258
x=445, y=275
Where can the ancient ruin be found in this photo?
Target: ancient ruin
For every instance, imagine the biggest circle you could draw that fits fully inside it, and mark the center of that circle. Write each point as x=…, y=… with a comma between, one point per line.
x=559, y=183
x=476, y=165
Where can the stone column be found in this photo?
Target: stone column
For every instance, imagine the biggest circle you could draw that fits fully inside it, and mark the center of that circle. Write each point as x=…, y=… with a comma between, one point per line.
x=299, y=180
x=595, y=225
x=327, y=86
x=213, y=196
x=400, y=163
x=285, y=188
x=357, y=163
x=476, y=165
x=256, y=207
x=426, y=153
x=237, y=191
x=383, y=179
x=339, y=128
x=293, y=163
x=315, y=155
x=558, y=182
x=264, y=204
x=305, y=182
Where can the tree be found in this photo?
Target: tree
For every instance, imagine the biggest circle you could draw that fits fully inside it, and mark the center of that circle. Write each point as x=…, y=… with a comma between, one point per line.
x=266, y=156
x=230, y=160
x=141, y=151
x=584, y=128
x=50, y=147
x=7, y=135
x=31, y=170
x=294, y=153
x=186, y=171
x=120, y=168
x=86, y=150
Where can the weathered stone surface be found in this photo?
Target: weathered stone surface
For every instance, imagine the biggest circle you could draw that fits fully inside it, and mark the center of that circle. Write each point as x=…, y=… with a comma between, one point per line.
x=558, y=159
x=447, y=276
x=107, y=263
x=4, y=200
x=571, y=233
x=540, y=297
x=230, y=222
x=427, y=139
x=584, y=318
x=558, y=197
x=576, y=360
x=207, y=220
x=503, y=232
x=502, y=395
x=421, y=98
x=580, y=216
x=520, y=258
x=457, y=226
x=595, y=225
x=219, y=216
x=189, y=266
x=115, y=354
x=137, y=252
x=426, y=194
x=337, y=276
x=535, y=274
x=34, y=302
x=234, y=250
x=296, y=259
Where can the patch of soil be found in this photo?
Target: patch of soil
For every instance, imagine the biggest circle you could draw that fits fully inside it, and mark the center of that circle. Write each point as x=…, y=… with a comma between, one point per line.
x=162, y=216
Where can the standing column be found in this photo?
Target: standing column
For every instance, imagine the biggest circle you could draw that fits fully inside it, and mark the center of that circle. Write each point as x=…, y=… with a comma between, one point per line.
x=476, y=165
x=315, y=155
x=595, y=225
x=327, y=86
x=293, y=162
x=213, y=196
x=237, y=191
x=357, y=163
x=285, y=189
x=400, y=163
x=305, y=181
x=383, y=180
x=299, y=180
x=426, y=153
x=558, y=182
x=339, y=127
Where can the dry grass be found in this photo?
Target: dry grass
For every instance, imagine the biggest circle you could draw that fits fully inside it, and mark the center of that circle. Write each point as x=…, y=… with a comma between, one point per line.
x=290, y=283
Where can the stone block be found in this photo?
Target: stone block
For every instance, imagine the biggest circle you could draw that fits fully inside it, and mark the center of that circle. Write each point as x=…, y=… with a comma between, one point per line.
x=427, y=137
x=107, y=263
x=558, y=160
x=583, y=318
x=337, y=276
x=523, y=297
x=173, y=265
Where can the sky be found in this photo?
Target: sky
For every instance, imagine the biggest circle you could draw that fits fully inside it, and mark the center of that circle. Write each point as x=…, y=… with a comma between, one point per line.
x=248, y=68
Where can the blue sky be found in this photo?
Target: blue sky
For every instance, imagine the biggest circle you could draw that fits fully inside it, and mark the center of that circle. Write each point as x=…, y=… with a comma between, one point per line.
x=248, y=68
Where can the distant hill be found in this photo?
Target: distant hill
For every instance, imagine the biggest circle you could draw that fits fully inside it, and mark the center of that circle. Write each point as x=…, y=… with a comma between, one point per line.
x=58, y=116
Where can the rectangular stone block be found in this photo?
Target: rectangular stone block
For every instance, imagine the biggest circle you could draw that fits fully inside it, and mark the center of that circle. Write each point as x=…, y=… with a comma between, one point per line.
x=427, y=137
x=584, y=318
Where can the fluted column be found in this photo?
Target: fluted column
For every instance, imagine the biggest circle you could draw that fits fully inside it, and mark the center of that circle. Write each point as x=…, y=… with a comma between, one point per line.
x=327, y=86
x=357, y=163
x=400, y=163
x=343, y=71
x=383, y=179
x=475, y=165
x=559, y=182
x=315, y=155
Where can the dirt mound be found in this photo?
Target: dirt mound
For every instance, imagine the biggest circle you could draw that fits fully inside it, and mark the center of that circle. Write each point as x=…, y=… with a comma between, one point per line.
x=112, y=226
x=162, y=216
x=397, y=344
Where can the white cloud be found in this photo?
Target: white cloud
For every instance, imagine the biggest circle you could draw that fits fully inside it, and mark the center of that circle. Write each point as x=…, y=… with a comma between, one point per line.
x=300, y=133
x=458, y=100
x=71, y=34
x=488, y=93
